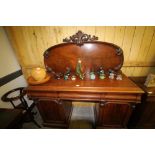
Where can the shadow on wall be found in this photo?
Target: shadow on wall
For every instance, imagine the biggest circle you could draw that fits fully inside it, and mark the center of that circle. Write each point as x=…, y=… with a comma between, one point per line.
x=8, y=65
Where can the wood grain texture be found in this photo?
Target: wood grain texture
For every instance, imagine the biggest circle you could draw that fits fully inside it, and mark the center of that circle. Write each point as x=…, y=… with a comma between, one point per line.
x=143, y=116
x=92, y=55
x=55, y=114
x=113, y=115
x=137, y=42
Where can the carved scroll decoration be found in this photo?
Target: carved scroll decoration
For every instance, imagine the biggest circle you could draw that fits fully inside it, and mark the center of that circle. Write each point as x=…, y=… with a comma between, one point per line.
x=48, y=69
x=79, y=38
x=119, y=51
x=46, y=54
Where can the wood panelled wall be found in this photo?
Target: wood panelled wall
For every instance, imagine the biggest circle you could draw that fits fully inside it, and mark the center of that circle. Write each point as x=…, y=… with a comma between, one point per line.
x=138, y=43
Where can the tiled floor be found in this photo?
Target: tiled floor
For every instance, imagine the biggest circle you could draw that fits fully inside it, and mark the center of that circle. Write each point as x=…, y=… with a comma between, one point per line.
x=82, y=118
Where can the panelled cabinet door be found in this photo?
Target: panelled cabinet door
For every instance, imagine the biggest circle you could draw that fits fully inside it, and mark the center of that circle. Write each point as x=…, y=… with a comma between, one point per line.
x=112, y=115
x=55, y=113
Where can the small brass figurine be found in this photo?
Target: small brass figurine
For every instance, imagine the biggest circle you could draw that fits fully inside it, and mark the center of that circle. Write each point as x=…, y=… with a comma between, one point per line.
x=67, y=73
x=119, y=77
x=66, y=77
x=73, y=78
x=58, y=75
x=102, y=76
x=111, y=74
x=92, y=75
x=101, y=73
x=79, y=70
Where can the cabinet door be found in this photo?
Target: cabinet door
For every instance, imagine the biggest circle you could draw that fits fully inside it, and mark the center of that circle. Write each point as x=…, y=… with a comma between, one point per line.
x=112, y=115
x=55, y=113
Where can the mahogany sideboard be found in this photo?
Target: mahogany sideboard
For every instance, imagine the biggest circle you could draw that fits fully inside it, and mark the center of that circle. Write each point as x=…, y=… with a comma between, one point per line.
x=114, y=99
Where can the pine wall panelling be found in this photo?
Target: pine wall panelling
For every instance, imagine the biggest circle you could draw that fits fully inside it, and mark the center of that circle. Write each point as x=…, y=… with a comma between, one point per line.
x=137, y=42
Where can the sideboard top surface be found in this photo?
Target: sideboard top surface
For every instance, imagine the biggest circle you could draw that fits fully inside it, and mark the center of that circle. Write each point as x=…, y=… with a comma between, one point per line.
x=86, y=85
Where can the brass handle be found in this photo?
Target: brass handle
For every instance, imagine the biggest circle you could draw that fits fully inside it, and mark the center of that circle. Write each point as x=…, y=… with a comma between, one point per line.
x=103, y=103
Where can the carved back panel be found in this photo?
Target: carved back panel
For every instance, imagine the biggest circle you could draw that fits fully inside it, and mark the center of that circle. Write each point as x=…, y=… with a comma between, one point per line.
x=93, y=54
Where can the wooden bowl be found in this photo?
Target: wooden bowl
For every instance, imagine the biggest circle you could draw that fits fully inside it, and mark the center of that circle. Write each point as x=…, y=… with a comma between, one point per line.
x=32, y=81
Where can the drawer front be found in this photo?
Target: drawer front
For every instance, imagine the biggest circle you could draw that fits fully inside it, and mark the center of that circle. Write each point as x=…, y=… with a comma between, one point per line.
x=119, y=97
x=80, y=96
x=42, y=95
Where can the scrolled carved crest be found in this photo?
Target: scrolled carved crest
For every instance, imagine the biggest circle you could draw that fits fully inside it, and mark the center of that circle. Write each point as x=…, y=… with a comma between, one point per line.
x=46, y=54
x=79, y=38
x=119, y=51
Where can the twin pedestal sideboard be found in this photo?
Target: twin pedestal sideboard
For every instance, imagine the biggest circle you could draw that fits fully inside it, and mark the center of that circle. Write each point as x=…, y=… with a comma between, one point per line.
x=114, y=99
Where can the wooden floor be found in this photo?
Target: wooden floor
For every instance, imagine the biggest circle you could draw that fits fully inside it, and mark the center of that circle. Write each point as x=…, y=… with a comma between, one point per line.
x=82, y=117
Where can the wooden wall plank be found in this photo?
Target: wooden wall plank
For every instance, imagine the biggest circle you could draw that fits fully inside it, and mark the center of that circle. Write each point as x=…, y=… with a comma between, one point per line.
x=100, y=32
x=147, y=70
x=137, y=71
x=145, y=45
x=119, y=35
x=129, y=71
x=137, y=42
x=109, y=34
x=86, y=29
x=127, y=41
x=151, y=53
x=123, y=69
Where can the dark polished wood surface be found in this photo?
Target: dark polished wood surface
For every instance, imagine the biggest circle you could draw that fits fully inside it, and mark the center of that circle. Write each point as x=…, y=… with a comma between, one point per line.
x=55, y=114
x=10, y=118
x=143, y=116
x=92, y=90
x=92, y=54
x=87, y=85
x=114, y=98
x=113, y=115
